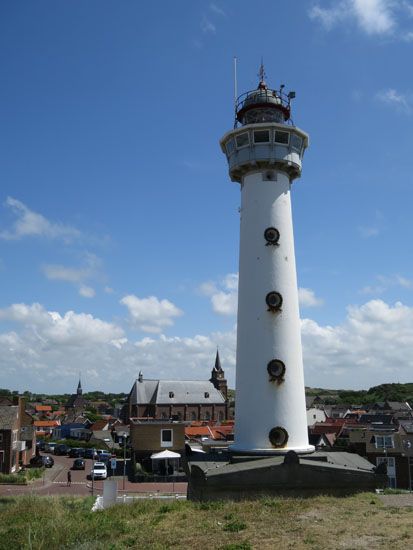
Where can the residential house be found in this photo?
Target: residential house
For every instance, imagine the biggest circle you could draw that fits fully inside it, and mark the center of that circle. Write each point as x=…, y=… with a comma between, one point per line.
x=150, y=437
x=315, y=415
x=17, y=437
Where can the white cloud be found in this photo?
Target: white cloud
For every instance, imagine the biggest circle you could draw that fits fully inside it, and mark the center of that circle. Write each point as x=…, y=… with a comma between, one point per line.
x=374, y=17
x=48, y=349
x=76, y=276
x=50, y=328
x=372, y=346
x=87, y=291
x=307, y=298
x=207, y=27
x=393, y=98
x=216, y=9
x=383, y=283
x=223, y=294
x=32, y=224
x=150, y=314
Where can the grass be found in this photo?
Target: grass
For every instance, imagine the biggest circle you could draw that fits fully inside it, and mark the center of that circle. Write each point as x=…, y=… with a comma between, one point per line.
x=22, y=477
x=360, y=521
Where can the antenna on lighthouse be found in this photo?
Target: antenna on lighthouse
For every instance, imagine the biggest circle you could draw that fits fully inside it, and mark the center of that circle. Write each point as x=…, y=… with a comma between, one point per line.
x=235, y=88
x=261, y=73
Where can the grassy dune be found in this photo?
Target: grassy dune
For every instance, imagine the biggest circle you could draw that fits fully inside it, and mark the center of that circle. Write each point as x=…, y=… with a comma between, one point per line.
x=362, y=521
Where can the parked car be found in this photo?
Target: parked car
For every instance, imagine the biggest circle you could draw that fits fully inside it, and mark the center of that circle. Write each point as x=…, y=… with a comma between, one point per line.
x=104, y=457
x=99, y=471
x=40, y=444
x=61, y=449
x=49, y=447
x=77, y=452
x=40, y=461
x=78, y=464
x=91, y=453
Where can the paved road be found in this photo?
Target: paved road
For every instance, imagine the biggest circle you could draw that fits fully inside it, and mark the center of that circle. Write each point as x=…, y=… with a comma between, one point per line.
x=54, y=482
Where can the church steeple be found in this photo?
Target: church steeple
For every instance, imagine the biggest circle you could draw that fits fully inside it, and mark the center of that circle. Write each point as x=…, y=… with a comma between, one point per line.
x=79, y=388
x=218, y=376
x=218, y=367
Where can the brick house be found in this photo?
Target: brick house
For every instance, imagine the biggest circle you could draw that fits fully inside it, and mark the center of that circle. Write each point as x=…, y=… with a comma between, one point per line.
x=17, y=436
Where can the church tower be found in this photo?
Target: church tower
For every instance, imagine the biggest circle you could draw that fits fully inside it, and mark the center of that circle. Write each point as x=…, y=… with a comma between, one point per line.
x=218, y=377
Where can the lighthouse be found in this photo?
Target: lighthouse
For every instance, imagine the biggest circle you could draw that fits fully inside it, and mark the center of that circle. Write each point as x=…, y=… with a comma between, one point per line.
x=264, y=153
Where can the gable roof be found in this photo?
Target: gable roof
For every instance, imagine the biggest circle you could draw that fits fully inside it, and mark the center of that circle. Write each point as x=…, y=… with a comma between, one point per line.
x=8, y=416
x=170, y=392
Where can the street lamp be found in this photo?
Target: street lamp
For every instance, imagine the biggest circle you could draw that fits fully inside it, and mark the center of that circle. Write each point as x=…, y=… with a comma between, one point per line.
x=124, y=436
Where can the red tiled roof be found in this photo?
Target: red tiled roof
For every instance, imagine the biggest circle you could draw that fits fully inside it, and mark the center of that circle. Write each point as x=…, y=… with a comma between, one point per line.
x=43, y=408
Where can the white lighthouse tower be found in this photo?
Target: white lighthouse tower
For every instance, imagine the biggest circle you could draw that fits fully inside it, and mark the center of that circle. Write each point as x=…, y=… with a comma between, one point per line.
x=264, y=155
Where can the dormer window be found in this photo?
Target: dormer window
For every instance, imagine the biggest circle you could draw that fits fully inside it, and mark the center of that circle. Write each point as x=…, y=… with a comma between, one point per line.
x=206, y=395
x=171, y=394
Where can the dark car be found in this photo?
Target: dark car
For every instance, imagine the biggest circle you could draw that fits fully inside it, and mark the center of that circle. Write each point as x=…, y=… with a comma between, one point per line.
x=78, y=464
x=40, y=461
x=77, y=452
x=40, y=444
x=61, y=449
x=104, y=457
x=91, y=453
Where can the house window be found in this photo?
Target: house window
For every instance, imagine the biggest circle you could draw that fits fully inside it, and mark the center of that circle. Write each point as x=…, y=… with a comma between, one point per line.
x=193, y=415
x=171, y=394
x=221, y=416
x=207, y=415
x=206, y=395
x=384, y=442
x=166, y=438
x=164, y=416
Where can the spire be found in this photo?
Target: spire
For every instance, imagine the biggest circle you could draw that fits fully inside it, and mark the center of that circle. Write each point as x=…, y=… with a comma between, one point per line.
x=217, y=362
x=140, y=377
x=79, y=387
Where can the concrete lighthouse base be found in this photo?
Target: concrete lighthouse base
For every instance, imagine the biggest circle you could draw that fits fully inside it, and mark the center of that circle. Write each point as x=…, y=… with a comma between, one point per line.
x=226, y=476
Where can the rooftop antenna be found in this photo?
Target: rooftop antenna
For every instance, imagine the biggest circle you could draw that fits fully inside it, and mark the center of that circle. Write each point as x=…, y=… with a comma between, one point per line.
x=261, y=72
x=235, y=88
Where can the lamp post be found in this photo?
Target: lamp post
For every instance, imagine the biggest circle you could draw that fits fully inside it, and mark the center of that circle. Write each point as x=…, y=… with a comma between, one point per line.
x=124, y=436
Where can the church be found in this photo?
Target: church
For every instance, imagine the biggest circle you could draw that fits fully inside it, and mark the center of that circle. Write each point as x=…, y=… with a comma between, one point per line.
x=181, y=400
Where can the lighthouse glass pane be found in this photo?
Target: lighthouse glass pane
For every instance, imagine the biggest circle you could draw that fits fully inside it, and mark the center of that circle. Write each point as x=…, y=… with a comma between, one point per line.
x=296, y=142
x=230, y=146
x=242, y=140
x=262, y=136
x=281, y=137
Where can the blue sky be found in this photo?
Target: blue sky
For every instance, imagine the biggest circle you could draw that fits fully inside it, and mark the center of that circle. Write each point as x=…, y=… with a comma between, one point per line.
x=118, y=223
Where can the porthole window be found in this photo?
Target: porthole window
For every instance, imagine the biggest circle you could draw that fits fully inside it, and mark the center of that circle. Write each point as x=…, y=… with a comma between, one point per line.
x=274, y=301
x=242, y=140
x=296, y=143
x=262, y=136
x=230, y=146
x=272, y=236
x=278, y=437
x=276, y=369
